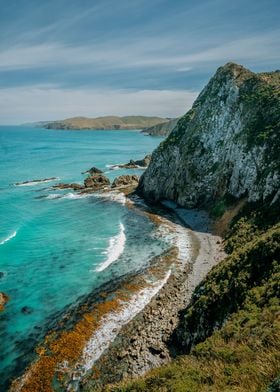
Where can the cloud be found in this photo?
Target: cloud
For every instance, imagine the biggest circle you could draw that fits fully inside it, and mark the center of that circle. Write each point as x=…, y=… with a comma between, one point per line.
x=48, y=103
x=130, y=54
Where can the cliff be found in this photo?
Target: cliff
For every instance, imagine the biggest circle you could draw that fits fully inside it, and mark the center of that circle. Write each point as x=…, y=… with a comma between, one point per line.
x=226, y=146
x=107, y=122
x=163, y=129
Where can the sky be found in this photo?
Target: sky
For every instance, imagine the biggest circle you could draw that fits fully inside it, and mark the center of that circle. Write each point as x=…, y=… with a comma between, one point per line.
x=66, y=58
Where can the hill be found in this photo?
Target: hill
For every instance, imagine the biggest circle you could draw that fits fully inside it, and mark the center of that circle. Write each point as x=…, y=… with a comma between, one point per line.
x=108, y=122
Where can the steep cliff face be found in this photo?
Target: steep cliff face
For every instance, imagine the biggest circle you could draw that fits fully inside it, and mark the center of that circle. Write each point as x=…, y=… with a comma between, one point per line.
x=226, y=145
x=163, y=129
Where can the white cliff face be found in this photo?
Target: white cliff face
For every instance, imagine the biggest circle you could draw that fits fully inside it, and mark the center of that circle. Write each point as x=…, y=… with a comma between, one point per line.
x=211, y=153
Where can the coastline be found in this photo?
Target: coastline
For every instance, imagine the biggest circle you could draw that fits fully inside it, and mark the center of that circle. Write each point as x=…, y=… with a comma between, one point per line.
x=143, y=343
x=140, y=342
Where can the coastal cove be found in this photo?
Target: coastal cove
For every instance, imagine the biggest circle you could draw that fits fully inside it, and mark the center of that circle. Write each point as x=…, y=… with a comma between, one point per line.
x=52, y=248
x=144, y=277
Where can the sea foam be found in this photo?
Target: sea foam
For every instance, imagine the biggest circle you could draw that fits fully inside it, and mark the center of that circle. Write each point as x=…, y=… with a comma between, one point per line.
x=115, y=249
x=14, y=233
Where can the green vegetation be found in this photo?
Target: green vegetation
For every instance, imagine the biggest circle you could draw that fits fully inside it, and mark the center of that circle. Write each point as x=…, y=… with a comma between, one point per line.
x=228, y=338
x=262, y=93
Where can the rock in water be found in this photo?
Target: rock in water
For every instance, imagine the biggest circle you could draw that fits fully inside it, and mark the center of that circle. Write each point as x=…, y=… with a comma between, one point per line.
x=93, y=170
x=73, y=186
x=3, y=300
x=125, y=180
x=97, y=181
x=26, y=310
x=144, y=162
x=227, y=145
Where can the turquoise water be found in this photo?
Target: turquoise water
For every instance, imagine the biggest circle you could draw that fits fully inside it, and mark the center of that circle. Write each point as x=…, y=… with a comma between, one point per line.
x=54, y=251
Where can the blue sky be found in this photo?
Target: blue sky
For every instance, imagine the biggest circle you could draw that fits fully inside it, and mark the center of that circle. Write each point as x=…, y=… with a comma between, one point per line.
x=62, y=58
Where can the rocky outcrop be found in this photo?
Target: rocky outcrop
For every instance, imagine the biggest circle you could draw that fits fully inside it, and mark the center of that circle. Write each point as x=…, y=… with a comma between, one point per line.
x=163, y=129
x=97, y=182
x=125, y=181
x=226, y=146
x=3, y=300
x=93, y=170
x=141, y=163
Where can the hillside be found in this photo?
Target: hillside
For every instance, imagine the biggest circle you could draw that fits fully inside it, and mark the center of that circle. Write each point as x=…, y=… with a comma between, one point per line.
x=224, y=156
x=108, y=122
x=163, y=129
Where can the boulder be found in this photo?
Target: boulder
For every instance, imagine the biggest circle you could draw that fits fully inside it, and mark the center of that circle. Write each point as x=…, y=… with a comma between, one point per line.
x=3, y=300
x=97, y=181
x=93, y=170
x=125, y=180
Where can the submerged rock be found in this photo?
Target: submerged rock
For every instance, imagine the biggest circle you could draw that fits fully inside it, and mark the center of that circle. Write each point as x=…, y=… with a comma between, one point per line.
x=3, y=300
x=30, y=182
x=73, y=186
x=125, y=180
x=96, y=182
x=26, y=310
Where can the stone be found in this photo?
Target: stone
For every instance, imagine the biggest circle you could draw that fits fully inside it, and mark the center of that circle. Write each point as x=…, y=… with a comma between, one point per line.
x=73, y=186
x=141, y=163
x=97, y=181
x=93, y=170
x=3, y=300
x=26, y=310
x=125, y=180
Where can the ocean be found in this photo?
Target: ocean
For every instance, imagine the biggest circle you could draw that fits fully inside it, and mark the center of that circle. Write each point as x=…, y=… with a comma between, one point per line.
x=56, y=246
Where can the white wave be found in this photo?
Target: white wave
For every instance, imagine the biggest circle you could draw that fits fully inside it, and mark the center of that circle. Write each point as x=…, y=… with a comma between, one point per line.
x=14, y=233
x=36, y=182
x=111, y=325
x=69, y=195
x=114, y=196
x=115, y=249
x=54, y=196
x=113, y=167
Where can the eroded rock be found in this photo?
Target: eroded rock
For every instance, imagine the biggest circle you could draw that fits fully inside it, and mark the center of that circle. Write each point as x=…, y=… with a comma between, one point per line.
x=3, y=300
x=73, y=186
x=125, y=180
x=96, y=182
x=93, y=170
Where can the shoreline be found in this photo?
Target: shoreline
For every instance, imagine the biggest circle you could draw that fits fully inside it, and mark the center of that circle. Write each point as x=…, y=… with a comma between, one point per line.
x=143, y=343
x=140, y=341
